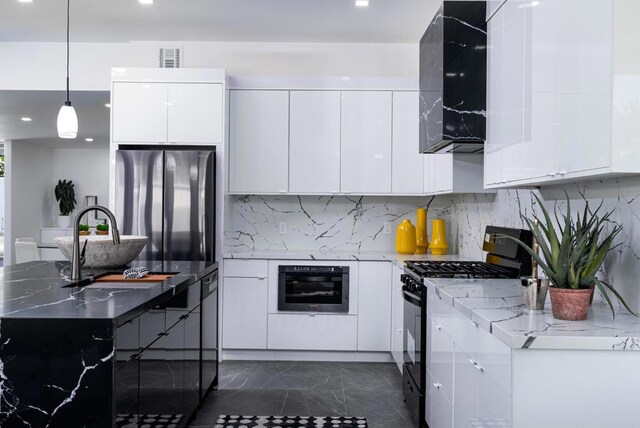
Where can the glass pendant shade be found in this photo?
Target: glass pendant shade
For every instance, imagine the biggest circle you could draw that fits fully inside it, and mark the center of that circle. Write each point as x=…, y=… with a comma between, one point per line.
x=67, y=121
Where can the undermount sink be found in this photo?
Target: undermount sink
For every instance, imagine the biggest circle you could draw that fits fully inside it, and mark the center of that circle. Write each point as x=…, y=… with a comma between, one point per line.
x=123, y=285
x=101, y=252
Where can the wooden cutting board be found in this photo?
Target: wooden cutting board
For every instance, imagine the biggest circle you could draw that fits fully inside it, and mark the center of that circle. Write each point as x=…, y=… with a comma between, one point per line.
x=118, y=277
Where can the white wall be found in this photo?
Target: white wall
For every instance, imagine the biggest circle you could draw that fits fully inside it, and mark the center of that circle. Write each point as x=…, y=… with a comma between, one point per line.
x=89, y=170
x=91, y=62
x=29, y=191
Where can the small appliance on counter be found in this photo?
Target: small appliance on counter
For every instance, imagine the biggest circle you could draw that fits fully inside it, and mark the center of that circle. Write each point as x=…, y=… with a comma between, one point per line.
x=505, y=259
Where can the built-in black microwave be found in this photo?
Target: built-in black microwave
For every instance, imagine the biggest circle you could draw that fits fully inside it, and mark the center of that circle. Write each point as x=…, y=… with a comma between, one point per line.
x=313, y=288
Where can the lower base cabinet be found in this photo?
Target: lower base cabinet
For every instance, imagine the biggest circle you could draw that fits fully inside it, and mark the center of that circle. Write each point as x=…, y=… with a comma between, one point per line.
x=158, y=359
x=438, y=410
x=313, y=332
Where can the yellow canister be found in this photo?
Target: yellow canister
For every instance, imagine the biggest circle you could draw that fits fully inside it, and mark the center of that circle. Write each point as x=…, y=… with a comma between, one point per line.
x=439, y=244
x=406, y=238
x=422, y=240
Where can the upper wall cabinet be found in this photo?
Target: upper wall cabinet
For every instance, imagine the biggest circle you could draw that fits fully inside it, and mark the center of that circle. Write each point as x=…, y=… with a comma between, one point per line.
x=366, y=142
x=314, y=142
x=327, y=141
x=158, y=113
x=559, y=94
x=259, y=141
x=407, y=169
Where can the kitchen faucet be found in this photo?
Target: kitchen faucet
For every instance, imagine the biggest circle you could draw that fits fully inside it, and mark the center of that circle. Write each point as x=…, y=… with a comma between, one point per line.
x=76, y=274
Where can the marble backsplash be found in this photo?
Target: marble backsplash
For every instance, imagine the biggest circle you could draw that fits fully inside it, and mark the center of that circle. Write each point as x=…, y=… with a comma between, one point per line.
x=322, y=223
x=352, y=223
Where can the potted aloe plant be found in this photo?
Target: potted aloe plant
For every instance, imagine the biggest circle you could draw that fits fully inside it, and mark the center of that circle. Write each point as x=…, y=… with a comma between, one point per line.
x=571, y=258
x=66, y=197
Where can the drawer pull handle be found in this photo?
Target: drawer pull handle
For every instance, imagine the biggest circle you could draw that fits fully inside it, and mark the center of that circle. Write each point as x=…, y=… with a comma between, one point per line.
x=479, y=367
x=262, y=278
x=473, y=323
x=438, y=327
x=437, y=385
x=471, y=361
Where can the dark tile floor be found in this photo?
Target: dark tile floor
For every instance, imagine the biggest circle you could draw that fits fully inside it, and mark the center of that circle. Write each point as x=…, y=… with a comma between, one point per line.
x=372, y=390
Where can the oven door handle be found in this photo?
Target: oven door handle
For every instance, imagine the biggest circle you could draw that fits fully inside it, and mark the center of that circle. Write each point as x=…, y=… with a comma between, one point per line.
x=411, y=298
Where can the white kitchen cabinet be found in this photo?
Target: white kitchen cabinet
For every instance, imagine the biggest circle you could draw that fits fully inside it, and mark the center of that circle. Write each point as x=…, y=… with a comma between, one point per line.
x=314, y=142
x=139, y=112
x=407, y=170
x=438, y=410
x=366, y=142
x=259, y=141
x=195, y=113
x=453, y=173
x=397, y=317
x=553, y=82
x=374, y=309
x=244, y=313
x=159, y=113
x=477, y=397
x=313, y=332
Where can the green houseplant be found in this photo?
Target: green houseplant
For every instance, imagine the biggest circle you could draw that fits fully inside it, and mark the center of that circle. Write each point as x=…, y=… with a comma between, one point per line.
x=572, y=256
x=66, y=197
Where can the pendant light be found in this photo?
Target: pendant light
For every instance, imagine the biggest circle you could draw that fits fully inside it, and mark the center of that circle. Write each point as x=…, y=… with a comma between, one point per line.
x=67, y=118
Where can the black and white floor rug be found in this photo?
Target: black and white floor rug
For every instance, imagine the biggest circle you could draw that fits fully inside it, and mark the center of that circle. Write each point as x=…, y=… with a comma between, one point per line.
x=148, y=421
x=238, y=421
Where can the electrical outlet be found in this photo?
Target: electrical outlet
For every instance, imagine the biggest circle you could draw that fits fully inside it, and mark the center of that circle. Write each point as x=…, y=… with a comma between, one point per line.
x=386, y=229
x=282, y=228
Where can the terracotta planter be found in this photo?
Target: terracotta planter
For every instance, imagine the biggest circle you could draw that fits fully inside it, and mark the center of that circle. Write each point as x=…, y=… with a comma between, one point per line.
x=569, y=304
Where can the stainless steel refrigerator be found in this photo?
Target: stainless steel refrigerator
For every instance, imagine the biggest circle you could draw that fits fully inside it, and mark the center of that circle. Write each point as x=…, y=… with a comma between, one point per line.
x=168, y=196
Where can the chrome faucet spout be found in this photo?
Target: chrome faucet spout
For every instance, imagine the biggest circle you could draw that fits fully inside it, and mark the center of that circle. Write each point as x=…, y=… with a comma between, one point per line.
x=76, y=273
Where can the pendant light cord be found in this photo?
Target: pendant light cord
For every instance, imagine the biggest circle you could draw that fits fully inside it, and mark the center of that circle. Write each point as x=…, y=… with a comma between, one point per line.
x=68, y=7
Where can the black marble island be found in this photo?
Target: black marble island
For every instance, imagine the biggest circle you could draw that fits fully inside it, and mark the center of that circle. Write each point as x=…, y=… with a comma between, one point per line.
x=77, y=356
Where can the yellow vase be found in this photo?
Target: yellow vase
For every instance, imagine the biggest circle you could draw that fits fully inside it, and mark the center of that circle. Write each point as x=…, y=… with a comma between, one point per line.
x=439, y=244
x=406, y=238
x=422, y=240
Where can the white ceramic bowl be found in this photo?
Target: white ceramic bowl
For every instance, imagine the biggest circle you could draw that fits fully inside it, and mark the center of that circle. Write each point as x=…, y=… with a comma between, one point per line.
x=101, y=251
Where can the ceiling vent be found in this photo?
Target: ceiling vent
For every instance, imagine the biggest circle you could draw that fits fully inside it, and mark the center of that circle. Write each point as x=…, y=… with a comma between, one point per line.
x=170, y=58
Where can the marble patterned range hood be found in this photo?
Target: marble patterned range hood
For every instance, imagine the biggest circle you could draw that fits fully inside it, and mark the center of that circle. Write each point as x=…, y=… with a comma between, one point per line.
x=453, y=79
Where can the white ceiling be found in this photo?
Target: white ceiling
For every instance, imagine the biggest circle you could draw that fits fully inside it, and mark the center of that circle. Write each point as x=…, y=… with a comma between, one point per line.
x=384, y=21
x=43, y=106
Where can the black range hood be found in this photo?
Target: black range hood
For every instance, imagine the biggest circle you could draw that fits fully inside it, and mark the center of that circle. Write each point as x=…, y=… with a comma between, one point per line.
x=453, y=79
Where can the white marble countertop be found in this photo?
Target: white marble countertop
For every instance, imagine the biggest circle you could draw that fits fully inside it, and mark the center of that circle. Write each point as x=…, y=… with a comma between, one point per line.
x=496, y=305
x=390, y=256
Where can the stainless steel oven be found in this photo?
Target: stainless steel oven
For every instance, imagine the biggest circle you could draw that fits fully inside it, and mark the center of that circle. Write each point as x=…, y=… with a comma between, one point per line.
x=313, y=288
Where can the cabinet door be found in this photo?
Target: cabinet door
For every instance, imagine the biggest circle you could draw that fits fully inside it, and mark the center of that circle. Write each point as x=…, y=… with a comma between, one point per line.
x=259, y=141
x=506, y=82
x=586, y=76
x=438, y=411
x=374, y=306
x=443, y=173
x=244, y=313
x=430, y=173
x=408, y=166
x=139, y=112
x=126, y=370
x=209, y=314
x=366, y=142
x=314, y=149
x=397, y=317
x=466, y=391
x=195, y=113
x=313, y=332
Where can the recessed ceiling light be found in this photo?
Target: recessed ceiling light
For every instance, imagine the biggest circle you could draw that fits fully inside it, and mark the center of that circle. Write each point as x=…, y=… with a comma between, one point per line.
x=25, y=119
x=107, y=105
x=25, y=1
x=146, y=1
x=89, y=140
x=362, y=3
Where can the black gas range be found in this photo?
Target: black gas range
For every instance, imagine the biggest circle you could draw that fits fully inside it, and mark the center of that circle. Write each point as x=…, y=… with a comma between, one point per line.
x=505, y=259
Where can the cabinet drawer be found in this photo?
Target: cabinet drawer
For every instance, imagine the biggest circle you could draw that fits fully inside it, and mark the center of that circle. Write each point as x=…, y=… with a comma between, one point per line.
x=313, y=332
x=246, y=268
x=244, y=313
x=438, y=410
x=440, y=359
x=487, y=350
